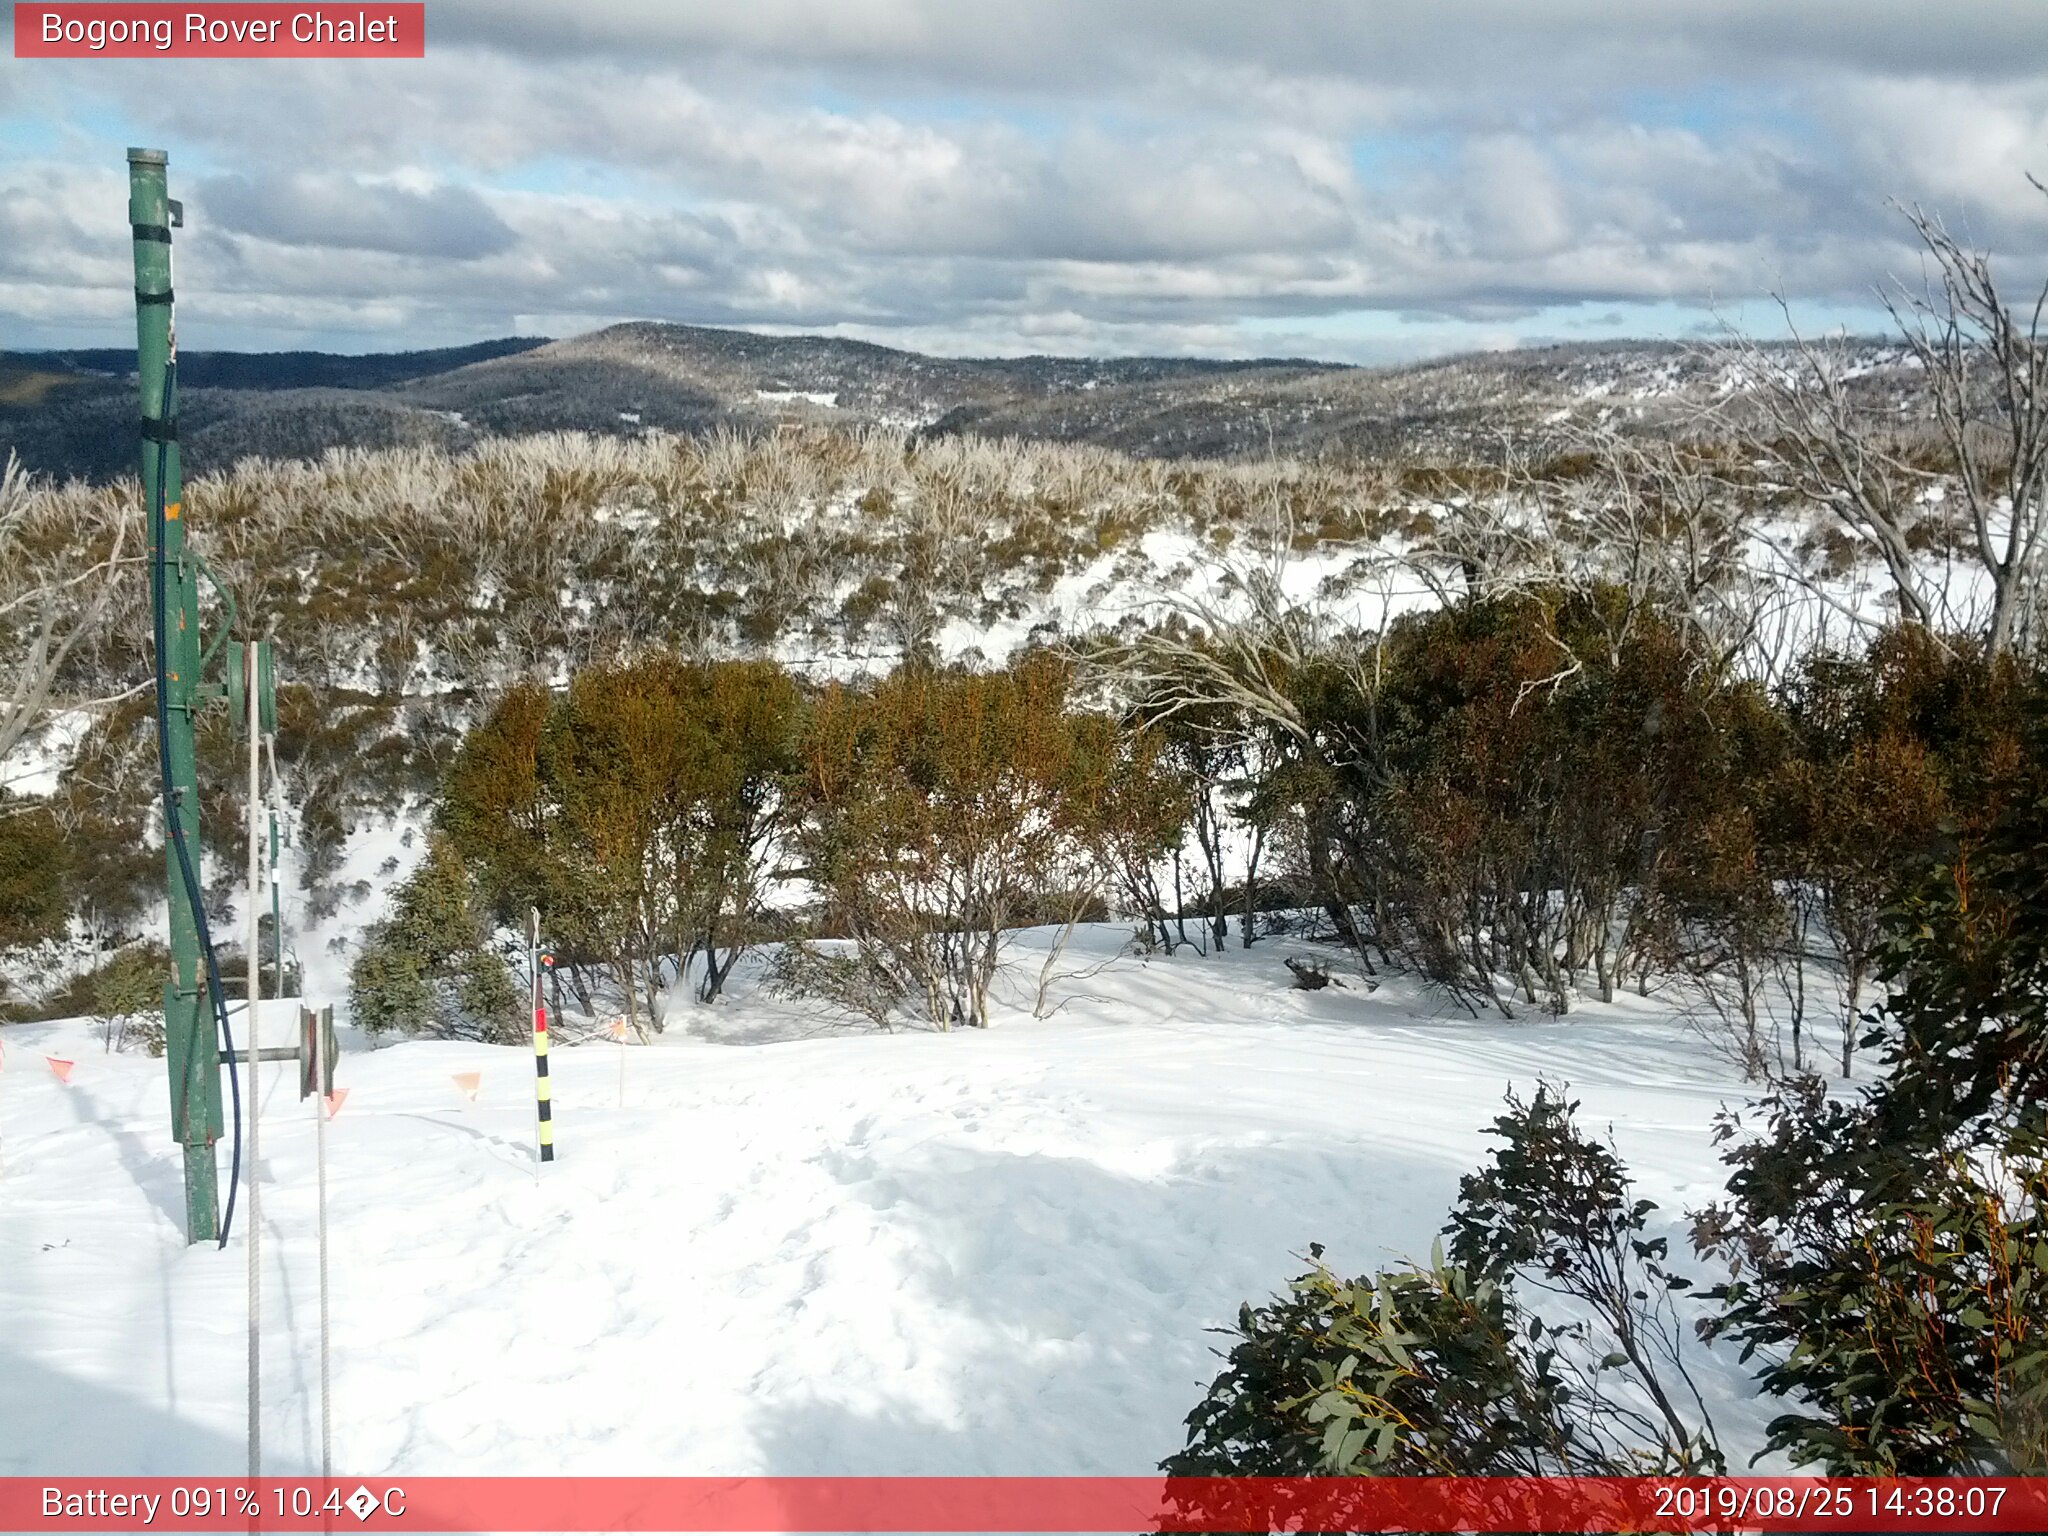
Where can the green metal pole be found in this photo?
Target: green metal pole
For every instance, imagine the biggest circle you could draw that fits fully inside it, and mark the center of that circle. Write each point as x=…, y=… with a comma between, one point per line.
x=190, y=1046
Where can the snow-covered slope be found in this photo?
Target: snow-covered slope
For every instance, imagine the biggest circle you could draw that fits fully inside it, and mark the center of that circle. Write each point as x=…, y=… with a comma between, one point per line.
x=789, y=1250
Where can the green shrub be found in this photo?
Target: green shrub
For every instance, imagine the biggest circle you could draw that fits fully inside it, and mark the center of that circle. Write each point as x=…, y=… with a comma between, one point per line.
x=1555, y=1211
x=1889, y=1255
x=34, y=857
x=430, y=968
x=1443, y=1371
x=1897, y=1297
x=1411, y=1373
x=127, y=995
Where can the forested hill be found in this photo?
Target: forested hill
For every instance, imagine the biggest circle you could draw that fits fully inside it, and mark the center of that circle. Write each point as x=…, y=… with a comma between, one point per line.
x=287, y=370
x=71, y=413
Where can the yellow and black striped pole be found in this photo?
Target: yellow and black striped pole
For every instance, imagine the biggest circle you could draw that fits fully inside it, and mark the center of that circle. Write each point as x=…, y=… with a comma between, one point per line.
x=542, y=1092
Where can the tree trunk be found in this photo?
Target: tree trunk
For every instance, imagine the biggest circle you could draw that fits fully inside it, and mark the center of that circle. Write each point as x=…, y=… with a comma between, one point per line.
x=1855, y=969
x=627, y=967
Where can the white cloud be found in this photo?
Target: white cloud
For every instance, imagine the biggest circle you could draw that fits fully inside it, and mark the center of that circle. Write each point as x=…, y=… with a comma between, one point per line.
x=1514, y=203
x=1965, y=147
x=1187, y=173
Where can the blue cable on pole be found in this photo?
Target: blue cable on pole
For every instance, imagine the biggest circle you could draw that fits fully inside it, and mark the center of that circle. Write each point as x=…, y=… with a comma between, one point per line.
x=174, y=827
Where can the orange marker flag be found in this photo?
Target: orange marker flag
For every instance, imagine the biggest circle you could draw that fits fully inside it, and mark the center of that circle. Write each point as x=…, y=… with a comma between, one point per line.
x=334, y=1102
x=61, y=1067
x=469, y=1083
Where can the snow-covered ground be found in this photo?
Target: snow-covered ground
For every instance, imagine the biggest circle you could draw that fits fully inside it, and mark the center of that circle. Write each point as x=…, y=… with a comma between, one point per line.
x=790, y=1250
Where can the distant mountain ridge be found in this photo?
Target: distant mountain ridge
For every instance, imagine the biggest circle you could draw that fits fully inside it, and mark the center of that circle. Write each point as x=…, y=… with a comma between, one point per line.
x=292, y=370
x=72, y=413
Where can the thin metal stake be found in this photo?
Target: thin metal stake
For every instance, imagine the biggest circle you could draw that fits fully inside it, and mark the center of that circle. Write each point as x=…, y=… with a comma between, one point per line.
x=255, y=1070
x=322, y=1081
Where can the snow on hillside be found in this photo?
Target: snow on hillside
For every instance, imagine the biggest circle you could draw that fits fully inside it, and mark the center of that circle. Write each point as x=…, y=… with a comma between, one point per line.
x=36, y=765
x=790, y=1250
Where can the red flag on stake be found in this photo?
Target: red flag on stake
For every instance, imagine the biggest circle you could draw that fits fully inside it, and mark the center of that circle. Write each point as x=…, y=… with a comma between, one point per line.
x=469, y=1083
x=334, y=1102
x=61, y=1067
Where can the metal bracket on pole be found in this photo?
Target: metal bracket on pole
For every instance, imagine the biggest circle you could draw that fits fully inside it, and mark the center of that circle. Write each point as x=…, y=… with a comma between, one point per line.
x=317, y=1045
x=266, y=688
x=317, y=1052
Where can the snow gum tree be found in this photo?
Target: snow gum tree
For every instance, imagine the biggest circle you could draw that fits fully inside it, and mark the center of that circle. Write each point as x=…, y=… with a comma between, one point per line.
x=1957, y=466
x=641, y=811
x=942, y=808
x=60, y=582
x=1138, y=821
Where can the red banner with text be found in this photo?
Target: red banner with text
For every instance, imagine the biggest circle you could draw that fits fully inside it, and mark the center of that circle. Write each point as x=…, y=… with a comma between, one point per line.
x=949, y=1504
x=100, y=31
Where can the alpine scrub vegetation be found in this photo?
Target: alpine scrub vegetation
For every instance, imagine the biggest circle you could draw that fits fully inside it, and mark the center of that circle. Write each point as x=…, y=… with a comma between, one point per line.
x=1615, y=587
x=1420, y=1372
x=1889, y=1256
x=944, y=810
x=1445, y=1369
x=652, y=807
x=415, y=570
x=1524, y=799
x=429, y=967
x=1885, y=1258
x=1531, y=796
x=643, y=810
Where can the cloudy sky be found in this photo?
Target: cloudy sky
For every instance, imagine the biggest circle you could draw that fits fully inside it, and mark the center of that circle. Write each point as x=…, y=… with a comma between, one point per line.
x=1365, y=180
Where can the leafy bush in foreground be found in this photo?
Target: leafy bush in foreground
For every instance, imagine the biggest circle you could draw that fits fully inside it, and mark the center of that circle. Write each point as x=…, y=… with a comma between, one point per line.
x=1887, y=1258
x=1421, y=1372
x=1442, y=1371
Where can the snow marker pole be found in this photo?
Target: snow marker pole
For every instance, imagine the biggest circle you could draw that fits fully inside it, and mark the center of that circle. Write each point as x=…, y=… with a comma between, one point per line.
x=543, y=1094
